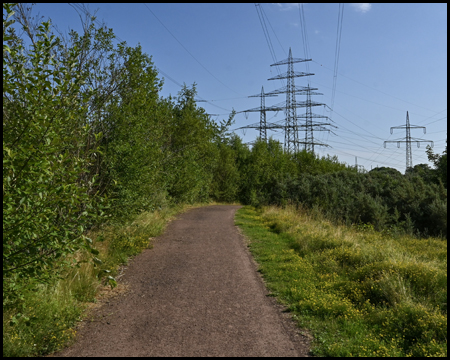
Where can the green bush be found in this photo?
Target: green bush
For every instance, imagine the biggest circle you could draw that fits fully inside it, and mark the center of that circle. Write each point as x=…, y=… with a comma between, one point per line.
x=47, y=202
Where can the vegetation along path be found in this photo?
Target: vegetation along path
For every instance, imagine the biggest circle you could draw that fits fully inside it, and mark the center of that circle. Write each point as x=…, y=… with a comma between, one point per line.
x=196, y=293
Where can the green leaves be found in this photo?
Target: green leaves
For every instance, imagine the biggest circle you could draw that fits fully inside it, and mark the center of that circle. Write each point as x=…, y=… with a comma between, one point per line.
x=46, y=202
x=111, y=281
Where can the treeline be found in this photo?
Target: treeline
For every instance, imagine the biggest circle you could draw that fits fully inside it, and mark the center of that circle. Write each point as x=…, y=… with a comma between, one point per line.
x=383, y=198
x=88, y=139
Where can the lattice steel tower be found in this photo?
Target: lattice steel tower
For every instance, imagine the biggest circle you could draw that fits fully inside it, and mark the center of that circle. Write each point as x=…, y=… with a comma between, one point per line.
x=290, y=124
x=262, y=118
x=262, y=126
x=291, y=132
x=408, y=139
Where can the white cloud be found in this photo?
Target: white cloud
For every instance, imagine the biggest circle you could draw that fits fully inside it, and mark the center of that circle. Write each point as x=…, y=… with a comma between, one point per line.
x=362, y=7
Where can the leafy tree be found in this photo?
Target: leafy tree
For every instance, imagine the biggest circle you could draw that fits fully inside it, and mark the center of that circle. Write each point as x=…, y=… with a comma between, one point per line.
x=226, y=177
x=424, y=171
x=133, y=134
x=440, y=163
x=45, y=200
x=189, y=143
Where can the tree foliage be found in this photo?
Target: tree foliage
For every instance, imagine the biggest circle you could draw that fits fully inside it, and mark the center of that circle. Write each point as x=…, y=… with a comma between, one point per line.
x=46, y=198
x=440, y=163
x=87, y=138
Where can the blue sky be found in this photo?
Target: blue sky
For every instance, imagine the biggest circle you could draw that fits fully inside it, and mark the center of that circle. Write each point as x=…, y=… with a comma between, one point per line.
x=392, y=59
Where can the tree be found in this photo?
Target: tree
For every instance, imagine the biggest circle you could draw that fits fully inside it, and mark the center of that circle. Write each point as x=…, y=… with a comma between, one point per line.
x=46, y=203
x=424, y=171
x=440, y=163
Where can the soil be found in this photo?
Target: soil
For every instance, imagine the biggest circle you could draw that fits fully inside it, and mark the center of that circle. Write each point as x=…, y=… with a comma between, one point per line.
x=196, y=293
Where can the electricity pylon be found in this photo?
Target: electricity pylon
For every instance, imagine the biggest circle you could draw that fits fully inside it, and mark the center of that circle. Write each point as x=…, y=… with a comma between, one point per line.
x=309, y=124
x=262, y=118
x=290, y=106
x=408, y=139
x=262, y=125
x=290, y=124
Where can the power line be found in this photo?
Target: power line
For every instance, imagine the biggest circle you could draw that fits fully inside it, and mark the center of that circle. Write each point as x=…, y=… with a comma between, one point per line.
x=241, y=97
x=378, y=151
x=336, y=54
x=301, y=12
x=346, y=153
x=370, y=87
x=357, y=97
x=157, y=68
x=436, y=120
x=267, y=36
x=176, y=82
x=357, y=125
x=209, y=72
x=408, y=139
x=429, y=117
x=264, y=13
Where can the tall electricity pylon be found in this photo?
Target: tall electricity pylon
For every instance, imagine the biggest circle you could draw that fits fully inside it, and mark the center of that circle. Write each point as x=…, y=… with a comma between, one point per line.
x=262, y=125
x=262, y=118
x=291, y=132
x=290, y=124
x=310, y=126
x=408, y=139
x=308, y=117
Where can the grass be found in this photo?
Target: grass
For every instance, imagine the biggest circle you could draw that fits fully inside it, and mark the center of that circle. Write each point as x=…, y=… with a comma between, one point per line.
x=360, y=292
x=48, y=317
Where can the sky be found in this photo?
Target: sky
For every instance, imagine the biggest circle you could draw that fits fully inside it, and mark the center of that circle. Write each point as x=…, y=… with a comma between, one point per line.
x=392, y=59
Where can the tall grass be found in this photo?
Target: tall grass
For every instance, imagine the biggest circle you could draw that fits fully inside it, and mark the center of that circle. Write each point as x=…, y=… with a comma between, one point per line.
x=360, y=292
x=47, y=318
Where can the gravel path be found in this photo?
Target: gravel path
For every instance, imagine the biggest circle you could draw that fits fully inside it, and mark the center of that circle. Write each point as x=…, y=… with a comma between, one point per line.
x=196, y=293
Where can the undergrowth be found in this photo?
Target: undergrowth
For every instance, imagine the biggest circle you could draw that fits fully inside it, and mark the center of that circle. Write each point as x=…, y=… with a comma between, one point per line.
x=46, y=319
x=360, y=292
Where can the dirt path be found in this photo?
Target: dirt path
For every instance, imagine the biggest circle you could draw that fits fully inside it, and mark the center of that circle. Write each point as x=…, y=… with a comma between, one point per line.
x=196, y=293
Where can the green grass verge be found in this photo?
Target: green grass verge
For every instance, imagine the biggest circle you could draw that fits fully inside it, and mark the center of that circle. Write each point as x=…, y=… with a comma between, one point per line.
x=49, y=315
x=359, y=292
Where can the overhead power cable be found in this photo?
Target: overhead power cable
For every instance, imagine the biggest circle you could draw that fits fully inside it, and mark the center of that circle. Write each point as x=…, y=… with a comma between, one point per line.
x=336, y=54
x=209, y=72
x=267, y=36
x=432, y=116
x=356, y=125
x=360, y=157
x=435, y=120
x=301, y=12
x=267, y=18
x=357, y=97
x=201, y=99
x=370, y=87
x=84, y=10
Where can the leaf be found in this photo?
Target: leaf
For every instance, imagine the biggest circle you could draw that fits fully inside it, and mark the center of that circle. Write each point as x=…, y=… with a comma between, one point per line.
x=112, y=282
x=97, y=261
